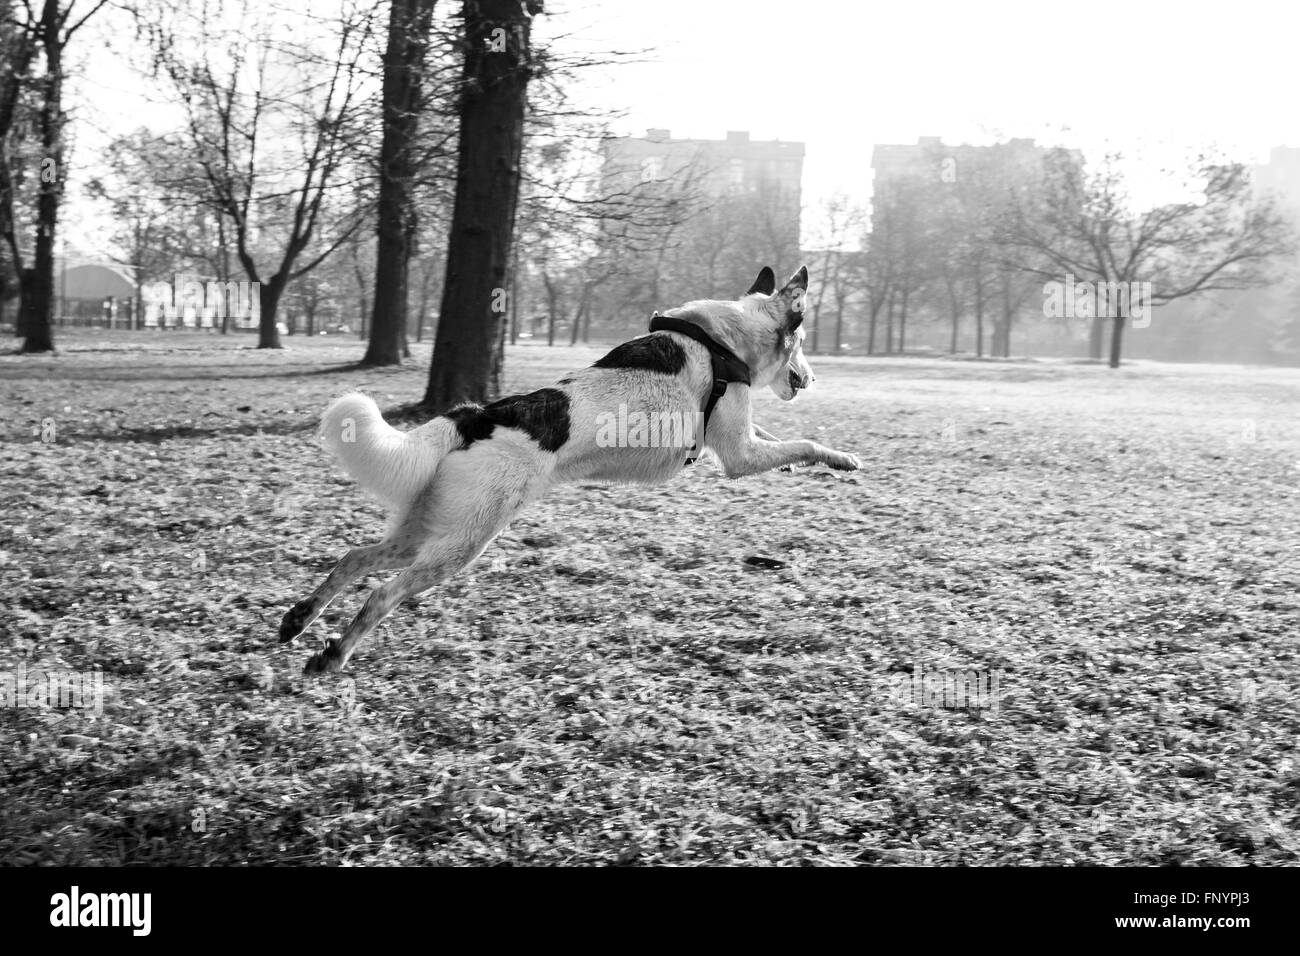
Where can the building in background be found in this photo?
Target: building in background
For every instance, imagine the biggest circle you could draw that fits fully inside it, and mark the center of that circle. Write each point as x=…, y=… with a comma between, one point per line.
x=759, y=176
x=685, y=218
x=92, y=291
x=1279, y=179
x=931, y=162
x=735, y=166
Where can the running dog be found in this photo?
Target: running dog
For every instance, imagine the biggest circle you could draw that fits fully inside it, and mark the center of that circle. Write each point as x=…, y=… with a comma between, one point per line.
x=454, y=483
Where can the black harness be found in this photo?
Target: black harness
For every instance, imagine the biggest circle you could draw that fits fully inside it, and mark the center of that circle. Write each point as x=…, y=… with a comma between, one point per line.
x=727, y=365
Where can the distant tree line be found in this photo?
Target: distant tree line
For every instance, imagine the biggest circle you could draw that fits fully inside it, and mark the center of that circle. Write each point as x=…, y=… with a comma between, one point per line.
x=411, y=173
x=979, y=249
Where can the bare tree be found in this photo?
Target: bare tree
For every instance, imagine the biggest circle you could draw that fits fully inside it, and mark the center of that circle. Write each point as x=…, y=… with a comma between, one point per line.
x=275, y=202
x=894, y=270
x=51, y=30
x=962, y=250
x=1013, y=290
x=838, y=266
x=161, y=230
x=1089, y=229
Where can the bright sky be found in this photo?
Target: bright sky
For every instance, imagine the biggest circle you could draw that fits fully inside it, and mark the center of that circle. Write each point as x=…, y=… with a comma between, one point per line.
x=1153, y=79
x=1149, y=77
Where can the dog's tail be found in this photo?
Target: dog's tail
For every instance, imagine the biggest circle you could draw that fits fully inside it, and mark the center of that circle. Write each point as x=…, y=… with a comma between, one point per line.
x=393, y=466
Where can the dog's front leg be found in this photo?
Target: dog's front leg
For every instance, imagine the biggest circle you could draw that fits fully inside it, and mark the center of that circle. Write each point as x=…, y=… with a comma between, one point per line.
x=734, y=438
x=766, y=435
x=751, y=457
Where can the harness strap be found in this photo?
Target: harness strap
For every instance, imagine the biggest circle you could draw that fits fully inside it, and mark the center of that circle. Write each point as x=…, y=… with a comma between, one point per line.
x=727, y=366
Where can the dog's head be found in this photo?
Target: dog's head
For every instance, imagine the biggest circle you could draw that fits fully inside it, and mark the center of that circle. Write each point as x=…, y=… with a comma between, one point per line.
x=780, y=363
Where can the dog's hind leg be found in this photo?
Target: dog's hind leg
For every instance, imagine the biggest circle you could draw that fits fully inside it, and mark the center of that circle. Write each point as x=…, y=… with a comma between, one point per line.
x=385, y=556
x=381, y=602
x=439, y=562
x=477, y=496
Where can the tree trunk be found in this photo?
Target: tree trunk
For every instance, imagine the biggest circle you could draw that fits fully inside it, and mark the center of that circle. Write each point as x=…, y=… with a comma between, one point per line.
x=902, y=324
x=411, y=247
x=38, y=325
x=363, y=291
x=584, y=303
x=1116, y=339
x=223, y=276
x=979, y=320
x=36, y=306
x=552, y=307
x=889, y=322
x=268, y=335
x=467, y=349
x=425, y=276
x=408, y=35
x=955, y=306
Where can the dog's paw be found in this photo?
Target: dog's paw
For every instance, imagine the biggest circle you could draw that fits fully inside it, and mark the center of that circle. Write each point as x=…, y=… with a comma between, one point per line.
x=328, y=660
x=294, y=622
x=841, y=461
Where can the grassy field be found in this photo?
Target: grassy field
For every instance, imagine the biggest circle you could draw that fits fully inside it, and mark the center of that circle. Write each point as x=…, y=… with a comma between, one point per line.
x=706, y=672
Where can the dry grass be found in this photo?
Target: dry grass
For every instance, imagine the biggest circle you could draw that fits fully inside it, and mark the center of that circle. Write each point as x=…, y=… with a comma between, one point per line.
x=614, y=682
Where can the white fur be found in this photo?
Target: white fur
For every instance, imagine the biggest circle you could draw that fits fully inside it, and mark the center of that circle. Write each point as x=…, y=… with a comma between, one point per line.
x=393, y=466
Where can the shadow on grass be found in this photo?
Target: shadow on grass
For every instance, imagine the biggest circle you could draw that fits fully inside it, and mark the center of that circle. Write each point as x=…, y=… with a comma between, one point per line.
x=173, y=432
x=193, y=373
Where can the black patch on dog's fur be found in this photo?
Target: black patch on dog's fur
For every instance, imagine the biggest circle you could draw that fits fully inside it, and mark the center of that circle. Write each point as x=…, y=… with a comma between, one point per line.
x=472, y=424
x=651, y=353
x=542, y=415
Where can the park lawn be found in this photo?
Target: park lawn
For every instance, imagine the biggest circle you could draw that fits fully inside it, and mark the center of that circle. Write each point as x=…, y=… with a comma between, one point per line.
x=705, y=672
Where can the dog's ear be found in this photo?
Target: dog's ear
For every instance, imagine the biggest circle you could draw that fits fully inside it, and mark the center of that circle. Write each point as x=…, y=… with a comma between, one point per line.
x=791, y=299
x=765, y=283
